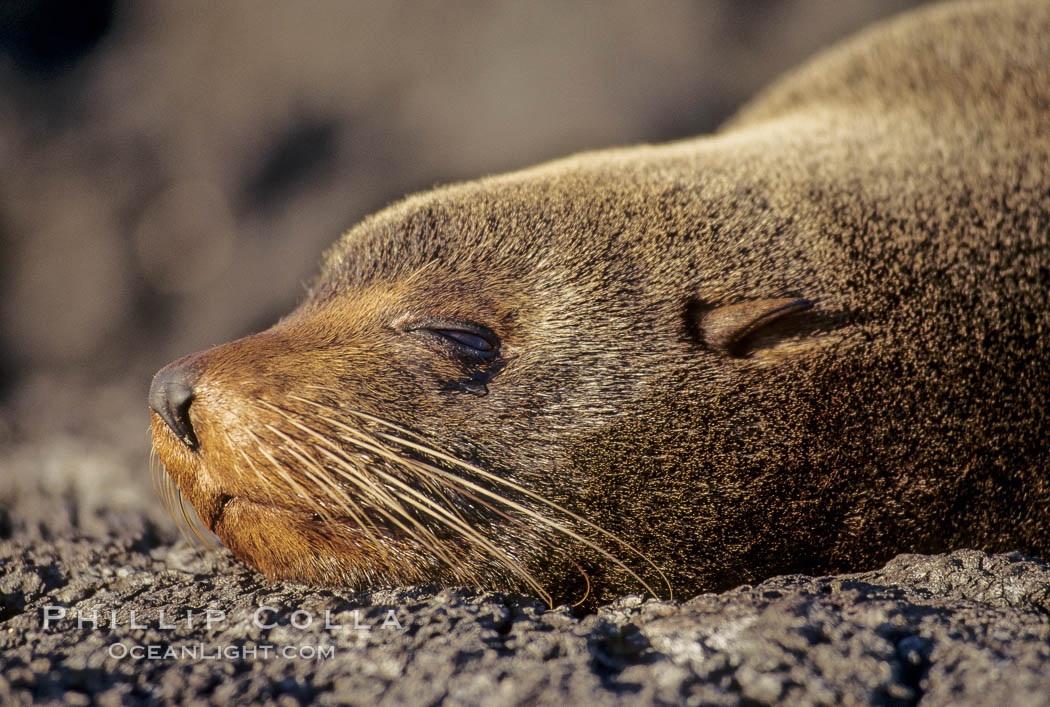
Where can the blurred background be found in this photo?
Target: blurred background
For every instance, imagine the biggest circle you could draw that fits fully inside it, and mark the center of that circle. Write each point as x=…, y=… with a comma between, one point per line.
x=173, y=169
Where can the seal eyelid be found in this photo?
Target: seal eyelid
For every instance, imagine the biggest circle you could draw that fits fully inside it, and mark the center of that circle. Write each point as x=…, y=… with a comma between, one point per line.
x=467, y=339
x=471, y=337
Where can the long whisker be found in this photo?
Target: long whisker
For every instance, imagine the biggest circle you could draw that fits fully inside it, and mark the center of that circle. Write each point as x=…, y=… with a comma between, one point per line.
x=342, y=500
x=301, y=492
x=416, y=499
x=313, y=471
x=284, y=474
x=277, y=467
x=385, y=501
x=448, y=515
x=427, y=506
x=459, y=481
x=419, y=531
x=174, y=503
x=511, y=564
x=553, y=525
x=426, y=449
x=191, y=522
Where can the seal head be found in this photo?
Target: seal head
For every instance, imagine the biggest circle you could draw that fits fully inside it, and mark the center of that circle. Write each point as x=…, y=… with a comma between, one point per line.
x=803, y=344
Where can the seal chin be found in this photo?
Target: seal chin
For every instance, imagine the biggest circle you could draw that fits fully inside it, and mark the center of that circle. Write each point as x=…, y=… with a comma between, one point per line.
x=231, y=511
x=285, y=535
x=213, y=521
x=285, y=543
x=270, y=539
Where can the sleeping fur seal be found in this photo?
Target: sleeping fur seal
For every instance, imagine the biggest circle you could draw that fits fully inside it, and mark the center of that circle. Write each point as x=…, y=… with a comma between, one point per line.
x=808, y=342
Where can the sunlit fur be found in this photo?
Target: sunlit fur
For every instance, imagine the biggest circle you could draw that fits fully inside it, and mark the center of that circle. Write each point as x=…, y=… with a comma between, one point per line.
x=899, y=182
x=356, y=477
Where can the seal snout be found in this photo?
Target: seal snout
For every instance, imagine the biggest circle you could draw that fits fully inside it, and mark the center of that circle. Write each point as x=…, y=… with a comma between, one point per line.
x=170, y=396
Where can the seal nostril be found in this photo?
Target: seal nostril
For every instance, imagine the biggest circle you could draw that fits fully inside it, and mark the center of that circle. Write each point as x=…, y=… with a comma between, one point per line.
x=170, y=396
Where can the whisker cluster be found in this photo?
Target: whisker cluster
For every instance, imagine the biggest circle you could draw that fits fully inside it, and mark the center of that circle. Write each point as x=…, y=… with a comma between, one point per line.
x=383, y=480
x=186, y=519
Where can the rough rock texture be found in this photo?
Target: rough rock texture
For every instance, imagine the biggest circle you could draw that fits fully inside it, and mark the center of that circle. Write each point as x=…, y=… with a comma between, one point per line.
x=964, y=628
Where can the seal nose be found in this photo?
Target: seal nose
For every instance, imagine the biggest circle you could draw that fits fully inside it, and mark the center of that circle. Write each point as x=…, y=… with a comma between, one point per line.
x=170, y=396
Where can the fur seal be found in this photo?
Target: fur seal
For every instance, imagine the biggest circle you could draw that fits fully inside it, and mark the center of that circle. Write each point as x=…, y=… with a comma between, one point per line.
x=808, y=342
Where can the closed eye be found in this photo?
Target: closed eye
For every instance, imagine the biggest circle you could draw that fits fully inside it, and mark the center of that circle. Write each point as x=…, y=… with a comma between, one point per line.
x=466, y=338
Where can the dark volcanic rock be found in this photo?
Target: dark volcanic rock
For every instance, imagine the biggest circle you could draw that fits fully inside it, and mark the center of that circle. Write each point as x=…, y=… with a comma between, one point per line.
x=965, y=627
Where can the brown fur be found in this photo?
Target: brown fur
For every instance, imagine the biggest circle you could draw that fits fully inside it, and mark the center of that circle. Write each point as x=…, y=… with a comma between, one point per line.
x=900, y=183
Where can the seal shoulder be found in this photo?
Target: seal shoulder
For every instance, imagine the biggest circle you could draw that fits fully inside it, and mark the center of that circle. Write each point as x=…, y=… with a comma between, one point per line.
x=979, y=60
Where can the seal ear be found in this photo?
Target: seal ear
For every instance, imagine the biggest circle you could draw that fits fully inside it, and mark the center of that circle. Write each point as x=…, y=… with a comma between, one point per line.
x=729, y=328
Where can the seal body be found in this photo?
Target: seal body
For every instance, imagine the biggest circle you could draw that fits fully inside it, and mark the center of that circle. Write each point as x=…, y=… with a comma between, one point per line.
x=806, y=343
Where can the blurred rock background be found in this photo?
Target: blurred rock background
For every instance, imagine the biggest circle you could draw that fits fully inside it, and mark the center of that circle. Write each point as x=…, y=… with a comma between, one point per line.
x=172, y=170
